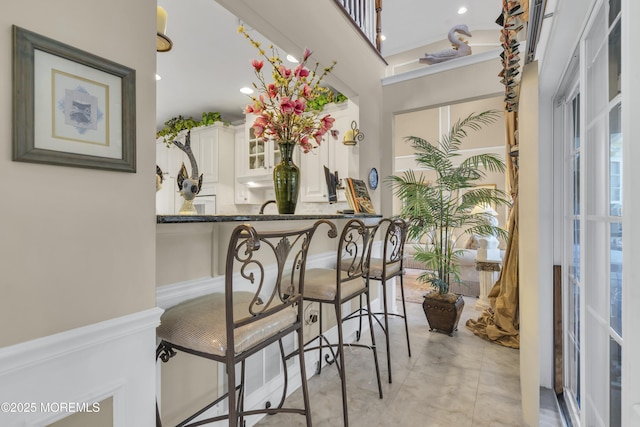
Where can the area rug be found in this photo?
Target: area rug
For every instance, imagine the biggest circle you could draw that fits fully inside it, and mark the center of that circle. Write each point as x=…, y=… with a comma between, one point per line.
x=413, y=289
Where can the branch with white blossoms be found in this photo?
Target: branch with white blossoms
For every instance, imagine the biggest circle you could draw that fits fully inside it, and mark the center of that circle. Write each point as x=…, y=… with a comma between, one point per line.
x=281, y=106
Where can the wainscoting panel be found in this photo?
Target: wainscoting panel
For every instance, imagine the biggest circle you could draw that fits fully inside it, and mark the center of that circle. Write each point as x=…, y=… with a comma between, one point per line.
x=50, y=378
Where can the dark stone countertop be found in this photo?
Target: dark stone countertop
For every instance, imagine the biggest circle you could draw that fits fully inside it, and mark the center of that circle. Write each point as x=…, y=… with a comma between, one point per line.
x=177, y=219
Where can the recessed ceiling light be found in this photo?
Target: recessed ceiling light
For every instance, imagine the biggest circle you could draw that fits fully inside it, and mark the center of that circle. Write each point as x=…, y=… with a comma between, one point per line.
x=383, y=37
x=246, y=90
x=462, y=10
x=292, y=58
x=158, y=77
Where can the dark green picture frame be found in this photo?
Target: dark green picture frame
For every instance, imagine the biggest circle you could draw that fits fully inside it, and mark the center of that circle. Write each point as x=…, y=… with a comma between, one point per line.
x=25, y=146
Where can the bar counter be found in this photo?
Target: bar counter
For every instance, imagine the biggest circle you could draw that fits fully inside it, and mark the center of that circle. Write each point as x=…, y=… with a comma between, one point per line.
x=178, y=219
x=190, y=247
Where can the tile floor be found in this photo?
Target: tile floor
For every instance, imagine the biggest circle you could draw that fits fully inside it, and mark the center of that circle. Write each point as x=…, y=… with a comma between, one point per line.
x=459, y=381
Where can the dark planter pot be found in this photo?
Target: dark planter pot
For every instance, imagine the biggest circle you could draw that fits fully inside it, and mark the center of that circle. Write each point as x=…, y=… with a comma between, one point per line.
x=443, y=311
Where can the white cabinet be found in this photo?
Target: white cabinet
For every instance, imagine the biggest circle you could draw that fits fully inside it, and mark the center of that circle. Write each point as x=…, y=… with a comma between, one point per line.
x=260, y=156
x=331, y=153
x=313, y=185
x=255, y=160
x=246, y=192
x=207, y=143
x=256, y=156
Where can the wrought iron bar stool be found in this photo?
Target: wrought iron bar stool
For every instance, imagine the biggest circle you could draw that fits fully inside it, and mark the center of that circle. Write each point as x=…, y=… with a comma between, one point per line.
x=334, y=286
x=251, y=314
x=393, y=233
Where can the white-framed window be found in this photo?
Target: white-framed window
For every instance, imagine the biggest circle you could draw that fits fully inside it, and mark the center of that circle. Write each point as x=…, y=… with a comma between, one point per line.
x=593, y=205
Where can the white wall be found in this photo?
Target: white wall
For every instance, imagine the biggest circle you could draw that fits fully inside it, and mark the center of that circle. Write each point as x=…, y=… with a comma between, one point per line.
x=450, y=86
x=431, y=124
x=77, y=246
x=481, y=41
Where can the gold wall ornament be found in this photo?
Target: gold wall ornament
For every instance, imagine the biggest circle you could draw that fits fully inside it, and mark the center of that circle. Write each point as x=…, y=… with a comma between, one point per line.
x=353, y=135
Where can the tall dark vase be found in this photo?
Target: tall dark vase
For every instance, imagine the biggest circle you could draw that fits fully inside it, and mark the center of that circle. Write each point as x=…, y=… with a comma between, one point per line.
x=286, y=180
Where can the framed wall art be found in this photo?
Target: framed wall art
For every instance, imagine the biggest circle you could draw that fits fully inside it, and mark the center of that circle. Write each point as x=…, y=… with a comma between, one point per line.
x=71, y=107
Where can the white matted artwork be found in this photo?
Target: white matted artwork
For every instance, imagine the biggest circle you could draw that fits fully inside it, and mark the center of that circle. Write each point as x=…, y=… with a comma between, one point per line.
x=83, y=119
x=71, y=107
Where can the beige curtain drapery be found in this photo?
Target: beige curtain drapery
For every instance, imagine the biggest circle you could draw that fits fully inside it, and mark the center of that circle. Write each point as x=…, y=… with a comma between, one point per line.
x=500, y=323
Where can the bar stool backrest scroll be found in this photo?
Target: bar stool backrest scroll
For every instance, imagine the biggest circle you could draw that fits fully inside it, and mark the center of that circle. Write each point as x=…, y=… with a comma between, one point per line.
x=393, y=233
x=352, y=253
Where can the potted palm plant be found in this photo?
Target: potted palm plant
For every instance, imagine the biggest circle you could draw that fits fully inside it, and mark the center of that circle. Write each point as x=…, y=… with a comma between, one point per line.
x=440, y=209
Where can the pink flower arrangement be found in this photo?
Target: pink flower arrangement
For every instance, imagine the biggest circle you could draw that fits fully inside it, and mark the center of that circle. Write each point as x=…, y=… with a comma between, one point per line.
x=281, y=106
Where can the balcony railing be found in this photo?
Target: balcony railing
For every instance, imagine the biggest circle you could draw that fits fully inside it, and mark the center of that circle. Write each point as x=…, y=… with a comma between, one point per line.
x=367, y=16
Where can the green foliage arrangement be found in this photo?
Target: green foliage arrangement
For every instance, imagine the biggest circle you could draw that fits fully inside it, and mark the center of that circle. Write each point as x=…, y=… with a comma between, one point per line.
x=436, y=209
x=175, y=125
x=280, y=104
x=325, y=98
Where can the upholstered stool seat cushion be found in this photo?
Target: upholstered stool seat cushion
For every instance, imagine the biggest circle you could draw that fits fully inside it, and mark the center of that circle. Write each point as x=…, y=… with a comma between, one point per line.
x=349, y=265
x=320, y=284
x=200, y=324
x=375, y=267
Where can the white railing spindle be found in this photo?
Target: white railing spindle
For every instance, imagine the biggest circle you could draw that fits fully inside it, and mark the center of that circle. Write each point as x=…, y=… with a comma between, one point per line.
x=363, y=13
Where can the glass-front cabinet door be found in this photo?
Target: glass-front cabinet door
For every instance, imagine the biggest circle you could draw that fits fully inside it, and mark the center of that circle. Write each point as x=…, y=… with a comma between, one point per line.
x=260, y=154
x=256, y=154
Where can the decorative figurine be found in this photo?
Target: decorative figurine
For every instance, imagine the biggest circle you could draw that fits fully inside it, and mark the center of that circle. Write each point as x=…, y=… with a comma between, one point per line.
x=460, y=47
x=159, y=178
x=188, y=187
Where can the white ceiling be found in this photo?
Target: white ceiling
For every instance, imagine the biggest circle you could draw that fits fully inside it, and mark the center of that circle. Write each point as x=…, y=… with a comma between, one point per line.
x=209, y=61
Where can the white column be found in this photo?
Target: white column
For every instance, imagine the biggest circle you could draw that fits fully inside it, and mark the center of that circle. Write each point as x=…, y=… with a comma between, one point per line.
x=489, y=273
x=488, y=263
